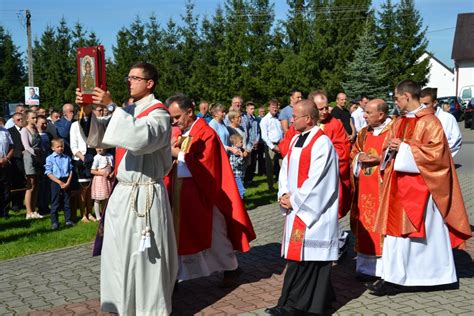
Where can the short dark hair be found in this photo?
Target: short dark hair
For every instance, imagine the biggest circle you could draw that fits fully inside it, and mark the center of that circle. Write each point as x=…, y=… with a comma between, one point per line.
x=429, y=92
x=184, y=102
x=149, y=71
x=273, y=101
x=293, y=91
x=409, y=86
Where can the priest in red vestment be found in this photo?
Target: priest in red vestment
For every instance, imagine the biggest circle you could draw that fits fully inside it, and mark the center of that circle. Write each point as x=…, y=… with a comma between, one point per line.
x=422, y=212
x=209, y=215
x=334, y=129
x=365, y=156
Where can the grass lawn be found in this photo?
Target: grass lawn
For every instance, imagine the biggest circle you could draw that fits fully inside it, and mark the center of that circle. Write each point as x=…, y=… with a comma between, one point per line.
x=21, y=237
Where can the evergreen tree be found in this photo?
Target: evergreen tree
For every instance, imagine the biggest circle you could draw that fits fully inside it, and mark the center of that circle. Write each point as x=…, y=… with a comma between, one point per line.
x=207, y=59
x=129, y=49
x=12, y=72
x=365, y=73
x=411, y=43
x=188, y=47
x=261, y=64
x=233, y=58
x=342, y=21
x=386, y=41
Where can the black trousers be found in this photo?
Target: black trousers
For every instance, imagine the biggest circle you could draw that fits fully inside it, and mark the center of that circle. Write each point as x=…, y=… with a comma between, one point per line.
x=60, y=197
x=307, y=286
x=5, y=176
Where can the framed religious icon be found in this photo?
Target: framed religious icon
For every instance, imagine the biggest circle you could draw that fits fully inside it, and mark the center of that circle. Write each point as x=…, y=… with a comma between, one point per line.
x=90, y=70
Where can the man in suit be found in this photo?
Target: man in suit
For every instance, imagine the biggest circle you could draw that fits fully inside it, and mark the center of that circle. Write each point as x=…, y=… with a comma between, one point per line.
x=17, y=168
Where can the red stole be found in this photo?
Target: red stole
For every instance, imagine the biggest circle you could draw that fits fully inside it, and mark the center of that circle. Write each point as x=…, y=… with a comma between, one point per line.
x=295, y=246
x=212, y=184
x=409, y=193
x=368, y=242
x=119, y=151
x=334, y=129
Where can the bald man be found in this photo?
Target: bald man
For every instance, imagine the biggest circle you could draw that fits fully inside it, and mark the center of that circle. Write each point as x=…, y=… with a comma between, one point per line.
x=342, y=114
x=308, y=196
x=365, y=157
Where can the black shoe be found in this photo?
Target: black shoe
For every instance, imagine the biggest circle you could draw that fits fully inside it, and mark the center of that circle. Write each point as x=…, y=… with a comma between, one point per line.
x=280, y=311
x=382, y=288
x=55, y=226
x=230, y=277
x=69, y=223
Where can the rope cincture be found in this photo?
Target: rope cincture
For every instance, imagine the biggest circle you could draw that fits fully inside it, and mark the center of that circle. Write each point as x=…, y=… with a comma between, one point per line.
x=145, y=240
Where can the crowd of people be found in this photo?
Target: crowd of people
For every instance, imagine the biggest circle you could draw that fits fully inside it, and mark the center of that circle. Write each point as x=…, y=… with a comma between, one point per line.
x=37, y=177
x=172, y=177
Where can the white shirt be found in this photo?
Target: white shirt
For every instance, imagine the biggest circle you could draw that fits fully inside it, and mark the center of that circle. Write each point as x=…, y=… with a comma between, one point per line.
x=9, y=123
x=101, y=161
x=271, y=130
x=451, y=130
x=5, y=141
x=359, y=120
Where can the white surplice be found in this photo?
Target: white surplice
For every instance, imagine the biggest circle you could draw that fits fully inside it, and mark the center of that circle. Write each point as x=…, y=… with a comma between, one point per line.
x=221, y=256
x=135, y=282
x=451, y=130
x=316, y=201
x=419, y=261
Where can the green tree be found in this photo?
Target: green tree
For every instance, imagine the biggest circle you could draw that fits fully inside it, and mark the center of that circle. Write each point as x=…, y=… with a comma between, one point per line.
x=411, y=43
x=129, y=49
x=365, y=73
x=386, y=41
x=12, y=71
x=207, y=60
x=262, y=65
x=340, y=24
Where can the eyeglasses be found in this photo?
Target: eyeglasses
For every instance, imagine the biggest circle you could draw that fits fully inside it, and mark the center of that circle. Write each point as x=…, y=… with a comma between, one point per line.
x=298, y=117
x=134, y=78
x=323, y=108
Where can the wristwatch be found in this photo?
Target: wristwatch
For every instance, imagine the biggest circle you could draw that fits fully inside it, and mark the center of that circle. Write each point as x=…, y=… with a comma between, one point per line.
x=111, y=108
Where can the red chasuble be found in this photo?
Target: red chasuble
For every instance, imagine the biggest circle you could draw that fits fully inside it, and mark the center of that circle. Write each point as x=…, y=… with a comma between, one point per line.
x=334, y=129
x=212, y=184
x=425, y=136
x=364, y=214
x=295, y=246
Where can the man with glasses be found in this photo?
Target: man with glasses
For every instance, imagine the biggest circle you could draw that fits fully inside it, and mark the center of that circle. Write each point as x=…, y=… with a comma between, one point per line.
x=334, y=129
x=308, y=197
x=17, y=166
x=139, y=260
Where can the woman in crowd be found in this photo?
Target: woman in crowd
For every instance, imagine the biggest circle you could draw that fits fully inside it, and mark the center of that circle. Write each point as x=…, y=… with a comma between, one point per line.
x=32, y=157
x=217, y=123
x=83, y=157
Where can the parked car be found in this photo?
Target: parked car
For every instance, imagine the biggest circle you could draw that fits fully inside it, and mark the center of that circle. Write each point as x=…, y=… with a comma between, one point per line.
x=469, y=114
x=454, y=106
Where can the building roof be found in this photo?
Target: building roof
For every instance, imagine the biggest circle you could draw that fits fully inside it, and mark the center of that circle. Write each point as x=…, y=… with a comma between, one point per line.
x=430, y=55
x=463, y=46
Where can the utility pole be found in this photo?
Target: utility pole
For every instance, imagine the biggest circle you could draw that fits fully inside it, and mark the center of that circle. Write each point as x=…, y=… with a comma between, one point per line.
x=30, y=49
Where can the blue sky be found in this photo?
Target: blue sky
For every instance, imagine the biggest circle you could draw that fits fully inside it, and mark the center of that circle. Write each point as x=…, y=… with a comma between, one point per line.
x=105, y=20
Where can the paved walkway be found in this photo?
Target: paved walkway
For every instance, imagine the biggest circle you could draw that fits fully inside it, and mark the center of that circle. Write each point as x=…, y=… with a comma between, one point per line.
x=66, y=282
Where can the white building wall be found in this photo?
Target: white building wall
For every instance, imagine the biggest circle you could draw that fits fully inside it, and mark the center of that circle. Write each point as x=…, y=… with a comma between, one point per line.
x=440, y=78
x=466, y=74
